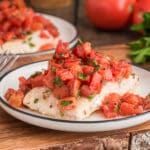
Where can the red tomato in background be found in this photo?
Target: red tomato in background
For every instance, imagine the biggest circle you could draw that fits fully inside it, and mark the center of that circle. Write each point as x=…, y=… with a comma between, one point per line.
x=141, y=7
x=109, y=14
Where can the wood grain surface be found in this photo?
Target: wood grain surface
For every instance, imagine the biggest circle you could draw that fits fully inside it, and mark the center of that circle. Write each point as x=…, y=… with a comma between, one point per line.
x=17, y=135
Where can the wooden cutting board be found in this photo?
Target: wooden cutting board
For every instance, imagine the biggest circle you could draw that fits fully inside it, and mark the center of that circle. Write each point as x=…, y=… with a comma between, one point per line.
x=15, y=134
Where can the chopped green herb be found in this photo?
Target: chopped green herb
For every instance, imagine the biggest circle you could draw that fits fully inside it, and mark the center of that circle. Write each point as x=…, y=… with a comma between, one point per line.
x=31, y=44
x=116, y=108
x=54, y=70
x=26, y=32
x=58, y=81
x=80, y=41
x=36, y=100
x=91, y=97
x=35, y=74
x=82, y=76
x=66, y=103
x=30, y=38
x=96, y=67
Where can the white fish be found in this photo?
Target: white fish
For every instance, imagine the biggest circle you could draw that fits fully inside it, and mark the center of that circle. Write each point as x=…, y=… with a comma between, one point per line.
x=43, y=101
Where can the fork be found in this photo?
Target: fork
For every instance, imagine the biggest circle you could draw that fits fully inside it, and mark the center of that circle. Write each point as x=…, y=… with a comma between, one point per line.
x=6, y=61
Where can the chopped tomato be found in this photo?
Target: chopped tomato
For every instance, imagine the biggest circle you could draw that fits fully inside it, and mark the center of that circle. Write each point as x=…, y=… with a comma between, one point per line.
x=15, y=98
x=95, y=83
x=126, y=109
x=87, y=69
x=4, y=4
x=132, y=99
x=74, y=86
x=64, y=74
x=61, y=92
x=37, y=81
x=67, y=103
x=47, y=46
x=83, y=50
x=35, y=26
x=110, y=105
x=48, y=79
x=53, y=31
x=43, y=34
x=8, y=36
x=86, y=91
x=62, y=50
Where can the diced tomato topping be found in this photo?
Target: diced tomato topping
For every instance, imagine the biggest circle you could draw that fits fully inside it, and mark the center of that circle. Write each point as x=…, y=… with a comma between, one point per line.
x=95, y=83
x=64, y=74
x=61, y=92
x=86, y=91
x=87, y=69
x=132, y=99
x=43, y=34
x=62, y=50
x=74, y=86
x=67, y=103
x=47, y=46
x=110, y=105
x=16, y=18
x=15, y=98
x=81, y=72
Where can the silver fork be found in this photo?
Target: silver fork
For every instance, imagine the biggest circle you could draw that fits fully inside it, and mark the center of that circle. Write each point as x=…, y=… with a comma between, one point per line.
x=6, y=61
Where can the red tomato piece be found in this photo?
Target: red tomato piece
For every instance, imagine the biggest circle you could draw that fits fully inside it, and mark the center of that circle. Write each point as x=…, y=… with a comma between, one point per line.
x=43, y=34
x=61, y=92
x=132, y=99
x=64, y=74
x=62, y=50
x=37, y=81
x=126, y=109
x=9, y=36
x=74, y=86
x=53, y=31
x=4, y=4
x=67, y=103
x=35, y=26
x=95, y=83
x=47, y=46
x=87, y=69
x=86, y=91
x=83, y=50
x=15, y=98
x=48, y=79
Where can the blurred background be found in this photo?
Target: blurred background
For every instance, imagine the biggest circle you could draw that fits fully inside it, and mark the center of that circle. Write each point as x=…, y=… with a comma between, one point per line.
x=67, y=9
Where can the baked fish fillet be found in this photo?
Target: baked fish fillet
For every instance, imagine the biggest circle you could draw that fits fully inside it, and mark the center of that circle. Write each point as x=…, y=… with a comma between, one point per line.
x=42, y=100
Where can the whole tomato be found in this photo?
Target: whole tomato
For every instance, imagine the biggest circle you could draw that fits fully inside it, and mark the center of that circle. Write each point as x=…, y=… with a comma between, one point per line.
x=141, y=7
x=109, y=14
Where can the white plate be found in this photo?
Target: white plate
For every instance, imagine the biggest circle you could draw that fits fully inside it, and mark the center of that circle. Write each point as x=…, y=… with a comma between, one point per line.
x=67, y=31
x=92, y=124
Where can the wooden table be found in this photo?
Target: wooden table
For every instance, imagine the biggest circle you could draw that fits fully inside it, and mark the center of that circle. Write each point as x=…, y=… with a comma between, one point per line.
x=17, y=135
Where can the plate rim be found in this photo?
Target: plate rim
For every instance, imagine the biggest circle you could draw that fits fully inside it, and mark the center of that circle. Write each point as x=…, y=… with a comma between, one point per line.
x=53, y=49
x=61, y=120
